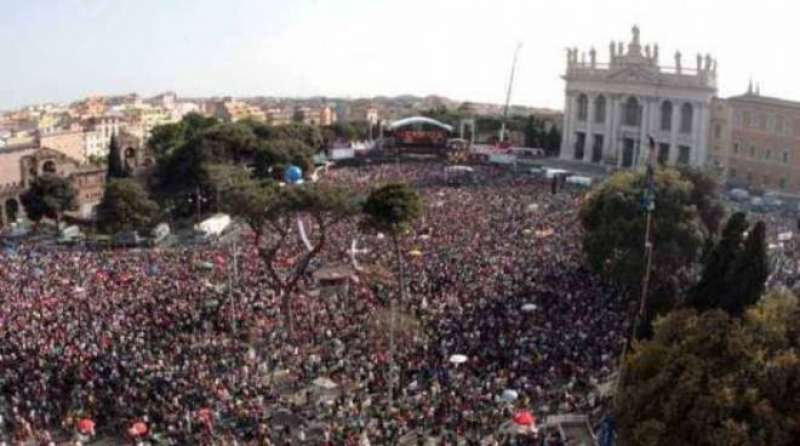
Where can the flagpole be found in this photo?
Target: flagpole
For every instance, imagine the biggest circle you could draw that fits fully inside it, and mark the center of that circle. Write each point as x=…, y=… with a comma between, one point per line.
x=648, y=203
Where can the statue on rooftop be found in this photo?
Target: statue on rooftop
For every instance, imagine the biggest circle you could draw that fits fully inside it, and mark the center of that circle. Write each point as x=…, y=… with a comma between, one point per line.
x=635, y=31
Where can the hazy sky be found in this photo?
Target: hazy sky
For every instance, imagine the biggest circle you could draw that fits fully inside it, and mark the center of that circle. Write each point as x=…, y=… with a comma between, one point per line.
x=60, y=50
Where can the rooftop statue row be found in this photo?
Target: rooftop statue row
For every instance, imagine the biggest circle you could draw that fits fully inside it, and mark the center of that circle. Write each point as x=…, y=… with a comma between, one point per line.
x=647, y=56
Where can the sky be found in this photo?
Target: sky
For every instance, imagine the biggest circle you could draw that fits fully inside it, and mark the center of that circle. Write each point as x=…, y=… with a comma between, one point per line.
x=62, y=50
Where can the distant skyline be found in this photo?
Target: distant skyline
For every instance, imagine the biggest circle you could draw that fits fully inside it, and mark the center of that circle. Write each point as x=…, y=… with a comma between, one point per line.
x=63, y=50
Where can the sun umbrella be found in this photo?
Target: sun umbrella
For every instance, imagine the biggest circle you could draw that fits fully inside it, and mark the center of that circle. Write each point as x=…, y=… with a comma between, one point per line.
x=325, y=383
x=415, y=252
x=86, y=426
x=458, y=359
x=137, y=429
x=509, y=395
x=527, y=308
x=524, y=418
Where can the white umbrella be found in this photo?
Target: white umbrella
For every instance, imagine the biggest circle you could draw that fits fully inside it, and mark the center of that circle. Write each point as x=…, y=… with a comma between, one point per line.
x=509, y=395
x=458, y=359
x=527, y=308
x=325, y=383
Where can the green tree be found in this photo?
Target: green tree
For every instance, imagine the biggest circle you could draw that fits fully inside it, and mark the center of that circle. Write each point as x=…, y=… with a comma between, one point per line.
x=116, y=165
x=735, y=270
x=705, y=196
x=748, y=274
x=166, y=139
x=708, y=292
x=710, y=379
x=534, y=132
x=392, y=209
x=271, y=212
x=553, y=141
x=614, y=224
x=49, y=196
x=125, y=206
x=185, y=172
x=272, y=156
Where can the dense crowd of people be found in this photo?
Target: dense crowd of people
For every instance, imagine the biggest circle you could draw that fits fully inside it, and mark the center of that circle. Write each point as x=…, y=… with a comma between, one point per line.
x=169, y=346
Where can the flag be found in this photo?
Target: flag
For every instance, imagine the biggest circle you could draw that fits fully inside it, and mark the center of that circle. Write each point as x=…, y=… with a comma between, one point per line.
x=649, y=194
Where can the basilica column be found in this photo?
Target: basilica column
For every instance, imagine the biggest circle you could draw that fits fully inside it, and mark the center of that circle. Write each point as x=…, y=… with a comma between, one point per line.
x=588, y=143
x=673, y=135
x=643, y=128
x=567, y=148
x=700, y=150
x=613, y=125
x=610, y=111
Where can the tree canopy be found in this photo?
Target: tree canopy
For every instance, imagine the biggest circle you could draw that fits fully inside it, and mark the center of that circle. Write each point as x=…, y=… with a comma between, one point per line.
x=710, y=379
x=271, y=212
x=125, y=206
x=116, y=166
x=49, y=196
x=614, y=224
x=187, y=152
x=392, y=208
x=735, y=270
x=272, y=157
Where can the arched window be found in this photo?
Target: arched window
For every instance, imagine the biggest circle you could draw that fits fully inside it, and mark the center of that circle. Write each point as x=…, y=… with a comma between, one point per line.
x=583, y=107
x=49, y=167
x=12, y=209
x=687, y=113
x=666, y=116
x=600, y=109
x=633, y=112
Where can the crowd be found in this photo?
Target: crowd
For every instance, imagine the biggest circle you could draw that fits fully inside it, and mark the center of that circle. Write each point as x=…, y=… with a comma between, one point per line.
x=156, y=339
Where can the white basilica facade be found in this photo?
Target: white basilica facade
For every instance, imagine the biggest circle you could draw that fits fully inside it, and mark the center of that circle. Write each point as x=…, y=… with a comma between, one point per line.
x=611, y=108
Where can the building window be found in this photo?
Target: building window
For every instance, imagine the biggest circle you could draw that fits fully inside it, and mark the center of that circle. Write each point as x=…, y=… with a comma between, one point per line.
x=736, y=148
x=583, y=107
x=737, y=119
x=597, y=149
x=782, y=183
x=666, y=116
x=733, y=173
x=600, y=109
x=786, y=157
x=684, y=153
x=717, y=131
x=580, y=143
x=752, y=151
x=746, y=119
x=633, y=112
x=687, y=114
x=766, y=181
x=663, y=153
x=749, y=177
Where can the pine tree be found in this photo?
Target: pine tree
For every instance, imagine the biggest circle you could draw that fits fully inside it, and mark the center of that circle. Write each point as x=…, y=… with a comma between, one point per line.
x=116, y=168
x=713, y=285
x=749, y=272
